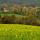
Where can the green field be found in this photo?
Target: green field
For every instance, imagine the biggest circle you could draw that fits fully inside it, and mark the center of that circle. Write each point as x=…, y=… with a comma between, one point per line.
x=19, y=32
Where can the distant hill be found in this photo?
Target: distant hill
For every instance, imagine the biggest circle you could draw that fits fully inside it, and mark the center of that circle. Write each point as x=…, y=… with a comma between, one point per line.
x=36, y=2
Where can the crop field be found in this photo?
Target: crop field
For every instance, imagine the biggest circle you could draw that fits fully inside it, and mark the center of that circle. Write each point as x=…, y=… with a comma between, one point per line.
x=19, y=32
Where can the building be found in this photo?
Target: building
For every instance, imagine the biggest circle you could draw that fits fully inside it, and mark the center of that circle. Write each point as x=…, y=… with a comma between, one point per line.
x=5, y=8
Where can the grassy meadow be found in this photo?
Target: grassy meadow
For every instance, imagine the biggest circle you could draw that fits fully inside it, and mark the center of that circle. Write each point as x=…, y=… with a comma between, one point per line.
x=19, y=32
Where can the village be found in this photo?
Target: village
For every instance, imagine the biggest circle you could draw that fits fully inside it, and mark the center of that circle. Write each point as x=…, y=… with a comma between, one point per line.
x=15, y=7
x=20, y=14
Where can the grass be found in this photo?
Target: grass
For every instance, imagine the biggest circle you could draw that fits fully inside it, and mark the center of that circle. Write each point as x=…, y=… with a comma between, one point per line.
x=19, y=32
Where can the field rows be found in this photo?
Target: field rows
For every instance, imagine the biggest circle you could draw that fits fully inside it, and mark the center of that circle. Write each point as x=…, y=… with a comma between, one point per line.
x=19, y=32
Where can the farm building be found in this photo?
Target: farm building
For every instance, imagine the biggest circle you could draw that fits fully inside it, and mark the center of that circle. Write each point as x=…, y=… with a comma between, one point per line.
x=4, y=8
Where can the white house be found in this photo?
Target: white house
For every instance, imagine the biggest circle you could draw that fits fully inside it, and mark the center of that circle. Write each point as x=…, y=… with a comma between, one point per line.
x=4, y=8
